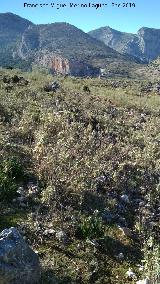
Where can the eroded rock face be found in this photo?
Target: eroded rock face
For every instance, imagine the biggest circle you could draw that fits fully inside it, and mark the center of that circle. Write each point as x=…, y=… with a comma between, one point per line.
x=55, y=63
x=61, y=65
x=18, y=262
x=145, y=45
x=149, y=42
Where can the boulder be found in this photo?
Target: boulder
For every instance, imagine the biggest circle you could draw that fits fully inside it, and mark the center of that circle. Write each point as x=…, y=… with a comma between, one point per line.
x=51, y=87
x=125, y=231
x=125, y=198
x=61, y=236
x=18, y=262
x=130, y=274
x=108, y=217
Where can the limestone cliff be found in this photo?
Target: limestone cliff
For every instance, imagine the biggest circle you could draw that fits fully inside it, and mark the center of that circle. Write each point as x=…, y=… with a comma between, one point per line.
x=149, y=42
x=58, y=64
x=55, y=63
x=145, y=45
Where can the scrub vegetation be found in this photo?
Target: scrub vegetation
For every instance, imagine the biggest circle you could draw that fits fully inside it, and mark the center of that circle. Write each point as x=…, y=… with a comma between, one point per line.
x=80, y=174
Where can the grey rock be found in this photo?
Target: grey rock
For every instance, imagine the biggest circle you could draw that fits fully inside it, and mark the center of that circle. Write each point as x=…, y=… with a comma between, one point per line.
x=139, y=202
x=52, y=87
x=125, y=198
x=125, y=231
x=19, y=264
x=145, y=45
x=21, y=191
x=49, y=232
x=122, y=221
x=61, y=236
x=130, y=274
x=120, y=256
x=107, y=216
x=21, y=199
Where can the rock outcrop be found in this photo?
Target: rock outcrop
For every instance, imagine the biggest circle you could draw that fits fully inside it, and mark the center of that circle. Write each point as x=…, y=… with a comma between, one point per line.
x=12, y=28
x=145, y=45
x=56, y=64
x=19, y=264
x=149, y=43
x=60, y=65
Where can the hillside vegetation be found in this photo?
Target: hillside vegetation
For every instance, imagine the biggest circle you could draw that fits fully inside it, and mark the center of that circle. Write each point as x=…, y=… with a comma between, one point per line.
x=79, y=175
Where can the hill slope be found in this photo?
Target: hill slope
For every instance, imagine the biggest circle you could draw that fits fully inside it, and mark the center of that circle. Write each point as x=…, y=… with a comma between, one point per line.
x=64, y=48
x=11, y=29
x=86, y=165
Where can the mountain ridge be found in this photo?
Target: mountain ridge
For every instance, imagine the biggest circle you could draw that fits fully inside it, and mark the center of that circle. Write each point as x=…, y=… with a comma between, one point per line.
x=144, y=45
x=57, y=46
x=61, y=47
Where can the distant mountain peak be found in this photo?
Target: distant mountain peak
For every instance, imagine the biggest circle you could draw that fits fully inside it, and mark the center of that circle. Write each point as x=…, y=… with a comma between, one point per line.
x=61, y=46
x=12, y=16
x=58, y=46
x=145, y=45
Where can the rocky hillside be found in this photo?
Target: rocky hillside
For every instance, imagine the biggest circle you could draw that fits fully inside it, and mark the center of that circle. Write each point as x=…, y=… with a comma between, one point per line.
x=79, y=179
x=145, y=45
x=63, y=47
x=11, y=29
x=60, y=47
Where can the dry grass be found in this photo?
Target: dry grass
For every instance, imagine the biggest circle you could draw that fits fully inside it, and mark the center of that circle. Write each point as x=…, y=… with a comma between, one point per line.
x=65, y=140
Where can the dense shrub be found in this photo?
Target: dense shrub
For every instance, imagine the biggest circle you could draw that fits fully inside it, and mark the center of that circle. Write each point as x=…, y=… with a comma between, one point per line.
x=11, y=172
x=91, y=227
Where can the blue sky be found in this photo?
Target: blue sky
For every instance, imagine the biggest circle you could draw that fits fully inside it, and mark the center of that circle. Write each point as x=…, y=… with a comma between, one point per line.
x=146, y=13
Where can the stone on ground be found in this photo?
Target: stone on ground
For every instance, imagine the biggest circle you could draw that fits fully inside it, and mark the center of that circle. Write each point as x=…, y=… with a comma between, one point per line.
x=19, y=264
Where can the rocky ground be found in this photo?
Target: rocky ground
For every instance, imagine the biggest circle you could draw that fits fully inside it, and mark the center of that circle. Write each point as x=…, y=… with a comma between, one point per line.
x=79, y=175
